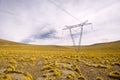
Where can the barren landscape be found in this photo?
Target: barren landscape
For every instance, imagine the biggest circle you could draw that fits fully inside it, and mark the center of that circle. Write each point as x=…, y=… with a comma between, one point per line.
x=39, y=62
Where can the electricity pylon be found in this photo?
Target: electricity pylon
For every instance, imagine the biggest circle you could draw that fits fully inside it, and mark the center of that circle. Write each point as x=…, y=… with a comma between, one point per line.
x=81, y=25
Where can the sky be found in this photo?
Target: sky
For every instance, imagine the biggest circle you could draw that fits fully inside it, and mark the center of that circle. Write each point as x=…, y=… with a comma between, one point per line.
x=42, y=21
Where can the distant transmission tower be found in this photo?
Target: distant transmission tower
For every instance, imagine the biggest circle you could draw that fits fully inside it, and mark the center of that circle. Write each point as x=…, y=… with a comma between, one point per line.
x=81, y=32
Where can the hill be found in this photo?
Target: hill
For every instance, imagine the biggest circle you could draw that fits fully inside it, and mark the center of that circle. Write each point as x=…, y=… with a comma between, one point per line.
x=6, y=42
x=108, y=47
x=100, y=47
x=51, y=62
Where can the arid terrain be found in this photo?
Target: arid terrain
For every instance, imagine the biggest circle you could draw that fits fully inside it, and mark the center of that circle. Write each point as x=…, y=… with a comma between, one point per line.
x=50, y=62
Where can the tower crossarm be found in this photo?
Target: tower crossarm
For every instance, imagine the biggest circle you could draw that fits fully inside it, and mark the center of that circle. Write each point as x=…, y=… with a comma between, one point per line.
x=77, y=25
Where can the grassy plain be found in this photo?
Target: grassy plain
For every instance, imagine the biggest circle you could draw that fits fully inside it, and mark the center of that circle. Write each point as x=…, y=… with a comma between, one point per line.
x=37, y=62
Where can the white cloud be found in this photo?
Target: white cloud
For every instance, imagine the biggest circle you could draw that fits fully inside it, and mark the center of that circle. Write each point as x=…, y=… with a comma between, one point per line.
x=20, y=20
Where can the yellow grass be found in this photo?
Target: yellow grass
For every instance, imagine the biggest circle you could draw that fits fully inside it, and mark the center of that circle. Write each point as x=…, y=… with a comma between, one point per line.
x=59, y=62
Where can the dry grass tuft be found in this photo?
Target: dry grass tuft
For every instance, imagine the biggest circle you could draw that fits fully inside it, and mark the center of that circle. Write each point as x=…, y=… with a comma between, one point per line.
x=115, y=74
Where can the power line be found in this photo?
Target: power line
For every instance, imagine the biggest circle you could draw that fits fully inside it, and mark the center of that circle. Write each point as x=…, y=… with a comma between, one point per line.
x=9, y=12
x=80, y=37
x=58, y=6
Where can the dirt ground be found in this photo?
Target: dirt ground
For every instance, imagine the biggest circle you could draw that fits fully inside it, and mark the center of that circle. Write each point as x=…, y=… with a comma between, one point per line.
x=57, y=67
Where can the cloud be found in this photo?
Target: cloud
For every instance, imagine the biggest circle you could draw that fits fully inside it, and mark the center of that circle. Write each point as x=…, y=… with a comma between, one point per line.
x=40, y=21
x=44, y=33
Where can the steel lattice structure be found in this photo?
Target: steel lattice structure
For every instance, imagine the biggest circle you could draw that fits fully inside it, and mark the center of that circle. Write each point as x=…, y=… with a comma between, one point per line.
x=81, y=25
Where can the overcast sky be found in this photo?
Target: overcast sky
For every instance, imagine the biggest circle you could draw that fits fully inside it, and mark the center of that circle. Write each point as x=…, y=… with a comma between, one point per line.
x=42, y=21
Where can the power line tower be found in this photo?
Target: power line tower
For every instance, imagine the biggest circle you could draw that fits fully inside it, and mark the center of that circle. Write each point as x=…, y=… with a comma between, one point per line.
x=81, y=25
